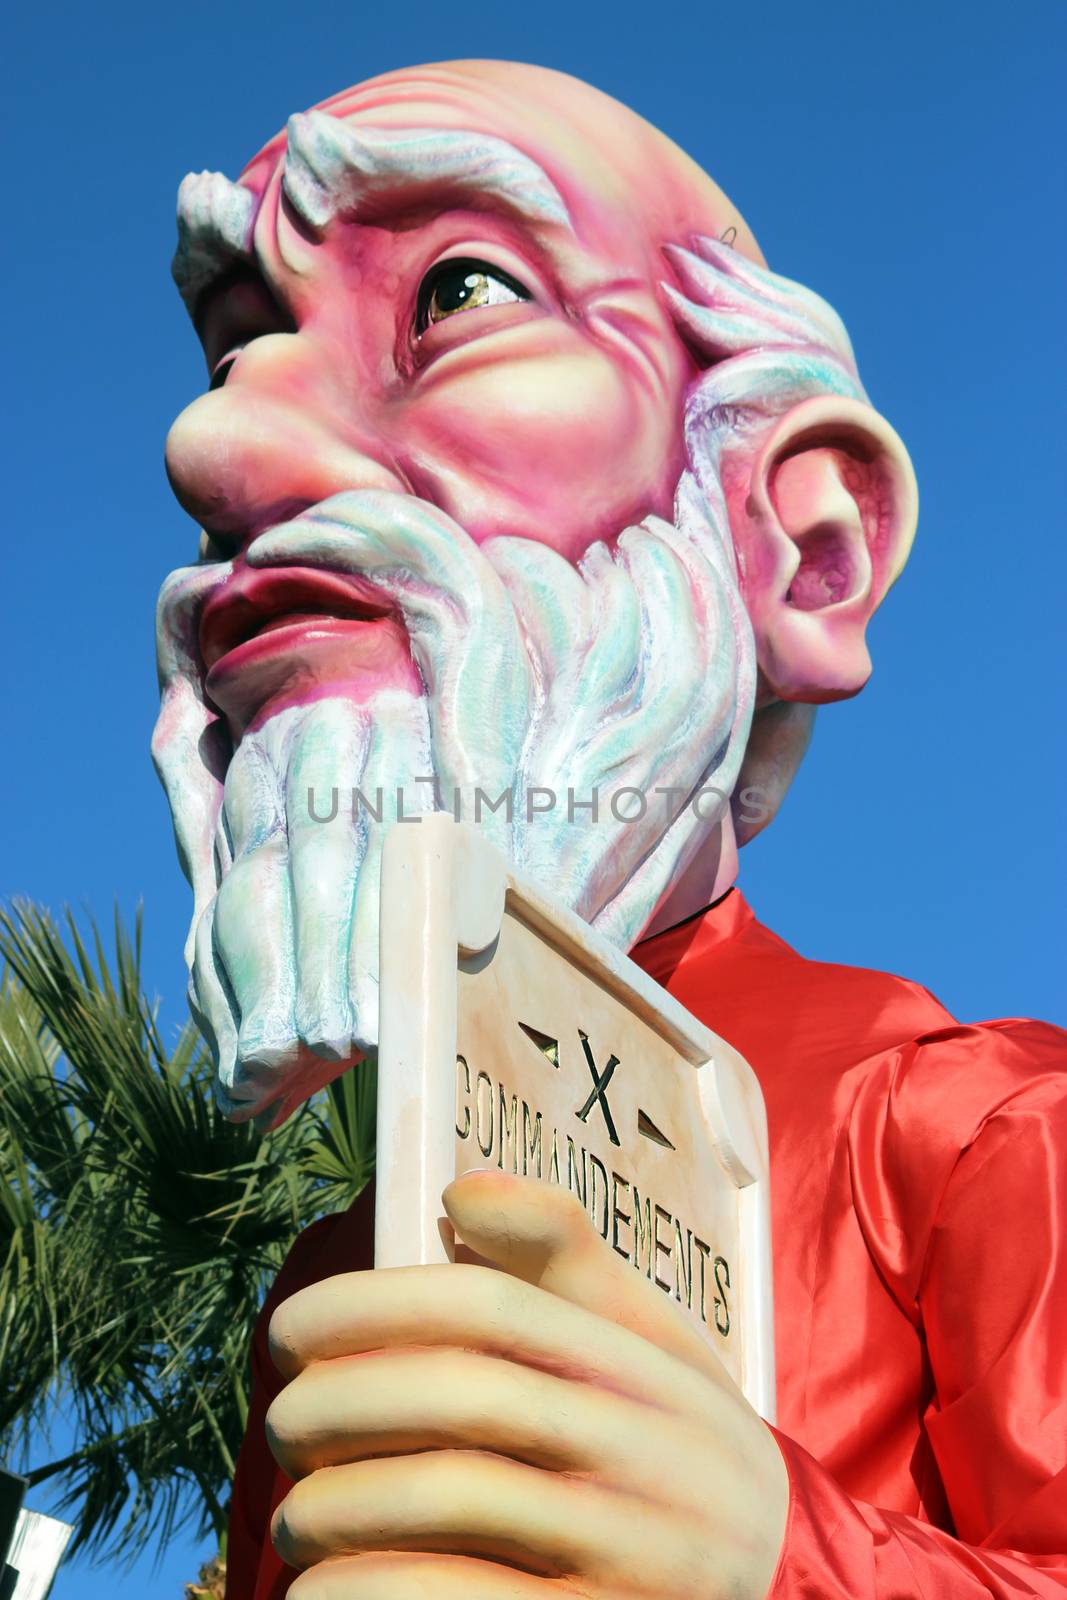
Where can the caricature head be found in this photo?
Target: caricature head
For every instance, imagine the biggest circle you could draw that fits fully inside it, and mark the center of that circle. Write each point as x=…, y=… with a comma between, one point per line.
x=518, y=471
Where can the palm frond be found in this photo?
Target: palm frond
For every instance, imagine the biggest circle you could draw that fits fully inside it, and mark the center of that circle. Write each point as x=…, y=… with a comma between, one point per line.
x=138, y=1234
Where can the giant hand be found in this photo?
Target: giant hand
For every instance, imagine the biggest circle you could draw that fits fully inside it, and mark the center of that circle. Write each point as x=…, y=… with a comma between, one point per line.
x=553, y=1427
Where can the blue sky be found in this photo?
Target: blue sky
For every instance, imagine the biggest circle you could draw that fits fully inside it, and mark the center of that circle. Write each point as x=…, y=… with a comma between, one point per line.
x=902, y=159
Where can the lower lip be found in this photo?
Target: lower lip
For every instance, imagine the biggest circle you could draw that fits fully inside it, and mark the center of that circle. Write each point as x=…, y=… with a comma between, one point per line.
x=306, y=657
x=285, y=634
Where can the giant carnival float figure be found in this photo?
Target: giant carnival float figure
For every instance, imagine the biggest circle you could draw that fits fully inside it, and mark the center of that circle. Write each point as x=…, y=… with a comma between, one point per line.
x=519, y=468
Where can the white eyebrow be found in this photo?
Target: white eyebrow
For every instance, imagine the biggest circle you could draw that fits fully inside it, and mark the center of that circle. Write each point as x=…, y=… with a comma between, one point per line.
x=215, y=220
x=335, y=168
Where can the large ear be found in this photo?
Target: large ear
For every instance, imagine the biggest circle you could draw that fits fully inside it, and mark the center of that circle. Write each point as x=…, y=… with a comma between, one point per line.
x=824, y=530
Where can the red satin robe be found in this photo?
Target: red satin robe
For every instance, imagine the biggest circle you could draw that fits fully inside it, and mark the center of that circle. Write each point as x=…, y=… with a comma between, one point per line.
x=918, y=1172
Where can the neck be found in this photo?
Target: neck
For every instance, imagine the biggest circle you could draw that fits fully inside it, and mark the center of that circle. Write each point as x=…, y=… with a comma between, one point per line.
x=704, y=880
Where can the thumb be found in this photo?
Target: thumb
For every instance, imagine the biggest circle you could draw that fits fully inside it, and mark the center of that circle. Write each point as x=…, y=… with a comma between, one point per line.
x=541, y=1233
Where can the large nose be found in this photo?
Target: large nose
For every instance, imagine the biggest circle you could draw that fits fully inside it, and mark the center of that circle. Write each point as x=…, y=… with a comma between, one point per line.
x=269, y=443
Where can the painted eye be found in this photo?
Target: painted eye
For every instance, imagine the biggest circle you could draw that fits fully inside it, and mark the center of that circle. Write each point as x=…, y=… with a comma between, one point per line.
x=463, y=285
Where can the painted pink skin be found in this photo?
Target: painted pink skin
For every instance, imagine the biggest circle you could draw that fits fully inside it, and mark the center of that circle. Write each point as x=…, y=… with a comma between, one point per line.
x=298, y=633
x=554, y=418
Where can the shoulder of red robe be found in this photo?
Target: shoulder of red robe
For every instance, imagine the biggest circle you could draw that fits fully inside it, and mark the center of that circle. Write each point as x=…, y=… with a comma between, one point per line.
x=931, y=1115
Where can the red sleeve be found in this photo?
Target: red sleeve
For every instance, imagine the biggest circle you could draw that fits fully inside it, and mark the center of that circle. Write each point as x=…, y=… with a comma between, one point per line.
x=255, y=1478
x=341, y=1243
x=837, y=1548
x=992, y=1298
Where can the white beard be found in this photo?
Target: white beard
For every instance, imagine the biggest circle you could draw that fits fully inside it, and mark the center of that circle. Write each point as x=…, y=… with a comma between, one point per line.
x=635, y=670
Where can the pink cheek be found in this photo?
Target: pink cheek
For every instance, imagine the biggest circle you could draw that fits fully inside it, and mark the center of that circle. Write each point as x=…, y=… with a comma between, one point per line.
x=528, y=457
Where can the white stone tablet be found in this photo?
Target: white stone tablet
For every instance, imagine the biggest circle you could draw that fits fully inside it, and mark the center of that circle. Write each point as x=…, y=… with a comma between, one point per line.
x=513, y=1036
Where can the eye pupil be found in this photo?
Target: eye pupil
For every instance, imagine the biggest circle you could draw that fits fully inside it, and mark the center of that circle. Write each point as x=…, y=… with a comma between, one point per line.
x=460, y=285
x=455, y=289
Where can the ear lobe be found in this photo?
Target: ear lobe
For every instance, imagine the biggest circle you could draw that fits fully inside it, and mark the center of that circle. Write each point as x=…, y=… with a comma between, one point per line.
x=825, y=530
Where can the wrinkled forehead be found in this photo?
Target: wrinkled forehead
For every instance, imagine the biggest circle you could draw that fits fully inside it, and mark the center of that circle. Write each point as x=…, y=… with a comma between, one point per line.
x=614, y=172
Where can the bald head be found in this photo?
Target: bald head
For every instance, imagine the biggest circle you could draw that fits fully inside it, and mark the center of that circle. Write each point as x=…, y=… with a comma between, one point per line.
x=579, y=135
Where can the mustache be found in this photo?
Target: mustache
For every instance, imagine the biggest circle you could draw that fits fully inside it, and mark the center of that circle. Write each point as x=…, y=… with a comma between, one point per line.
x=462, y=628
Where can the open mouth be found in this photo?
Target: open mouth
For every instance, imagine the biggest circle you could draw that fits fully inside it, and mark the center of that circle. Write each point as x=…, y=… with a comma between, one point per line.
x=287, y=601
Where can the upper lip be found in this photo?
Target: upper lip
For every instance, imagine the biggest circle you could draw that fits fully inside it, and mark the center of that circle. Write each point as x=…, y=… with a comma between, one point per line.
x=254, y=596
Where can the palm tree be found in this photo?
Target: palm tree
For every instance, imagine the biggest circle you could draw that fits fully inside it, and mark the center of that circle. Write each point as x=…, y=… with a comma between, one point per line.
x=138, y=1234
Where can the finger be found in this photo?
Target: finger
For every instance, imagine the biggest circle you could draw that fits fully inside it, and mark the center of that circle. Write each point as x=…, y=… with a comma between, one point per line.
x=463, y=1503
x=476, y=1308
x=420, y=1577
x=398, y=1402
x=541, y=1233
